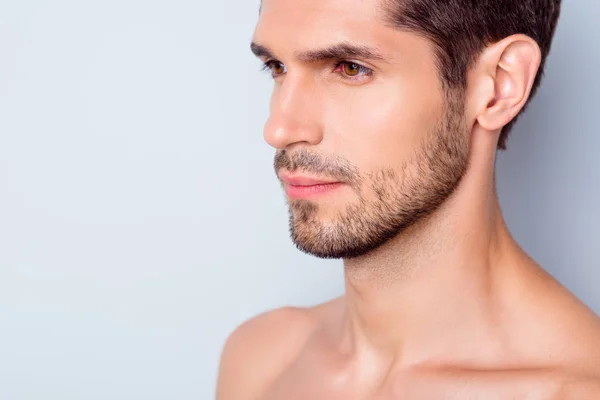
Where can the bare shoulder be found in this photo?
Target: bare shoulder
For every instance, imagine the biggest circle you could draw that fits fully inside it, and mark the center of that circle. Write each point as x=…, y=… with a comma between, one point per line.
x=258, y=350
x=566, y=338
x=581, y=379
x=553, y=326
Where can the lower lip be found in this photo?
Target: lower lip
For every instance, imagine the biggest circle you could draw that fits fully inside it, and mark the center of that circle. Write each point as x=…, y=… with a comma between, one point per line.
x=307, y=192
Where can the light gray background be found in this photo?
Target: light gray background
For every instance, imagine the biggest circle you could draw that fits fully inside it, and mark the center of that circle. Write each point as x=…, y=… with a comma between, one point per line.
x=140, y=217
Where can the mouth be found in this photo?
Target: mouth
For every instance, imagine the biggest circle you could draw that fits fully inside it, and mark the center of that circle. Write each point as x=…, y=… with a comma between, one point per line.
x=305, y=187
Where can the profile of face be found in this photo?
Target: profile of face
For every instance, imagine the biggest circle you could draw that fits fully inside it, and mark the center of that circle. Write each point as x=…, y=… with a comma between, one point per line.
x=360, y=103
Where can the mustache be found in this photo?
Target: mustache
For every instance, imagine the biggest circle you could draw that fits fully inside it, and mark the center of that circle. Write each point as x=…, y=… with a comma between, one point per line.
x=303, y=160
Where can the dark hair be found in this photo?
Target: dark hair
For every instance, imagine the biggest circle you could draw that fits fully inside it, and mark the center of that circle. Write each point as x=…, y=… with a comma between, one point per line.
x=460, y=30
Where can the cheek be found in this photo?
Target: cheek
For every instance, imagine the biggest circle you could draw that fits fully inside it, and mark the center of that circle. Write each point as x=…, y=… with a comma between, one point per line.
x=382, y=123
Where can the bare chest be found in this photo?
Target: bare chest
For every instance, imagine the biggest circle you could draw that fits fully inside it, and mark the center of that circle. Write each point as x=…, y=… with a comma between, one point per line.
x=298, y=383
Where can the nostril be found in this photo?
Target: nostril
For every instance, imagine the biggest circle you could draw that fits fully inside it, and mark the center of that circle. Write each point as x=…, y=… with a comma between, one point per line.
x=285, y=129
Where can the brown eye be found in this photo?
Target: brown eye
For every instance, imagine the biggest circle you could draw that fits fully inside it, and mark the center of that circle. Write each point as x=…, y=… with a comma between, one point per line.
x=278, y=68
x=275, y=67
x=351, y=69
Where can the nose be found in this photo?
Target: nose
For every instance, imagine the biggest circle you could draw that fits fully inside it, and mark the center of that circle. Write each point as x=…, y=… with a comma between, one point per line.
x=294, y=114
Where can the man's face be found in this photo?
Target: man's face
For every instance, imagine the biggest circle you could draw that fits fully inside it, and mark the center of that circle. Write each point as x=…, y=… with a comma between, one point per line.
x=369, y=113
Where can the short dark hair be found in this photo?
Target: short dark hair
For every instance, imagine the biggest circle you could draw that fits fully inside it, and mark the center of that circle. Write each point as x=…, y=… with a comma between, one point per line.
x=460, y=30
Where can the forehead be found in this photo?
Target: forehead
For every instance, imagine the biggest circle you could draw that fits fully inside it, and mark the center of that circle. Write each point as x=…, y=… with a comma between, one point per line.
x=300, y=23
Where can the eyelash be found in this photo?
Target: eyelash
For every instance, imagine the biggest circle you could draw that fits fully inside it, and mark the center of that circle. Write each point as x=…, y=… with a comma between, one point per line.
x=363, y=71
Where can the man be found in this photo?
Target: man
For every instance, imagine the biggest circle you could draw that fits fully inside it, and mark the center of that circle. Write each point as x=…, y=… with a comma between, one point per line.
x=387, y=116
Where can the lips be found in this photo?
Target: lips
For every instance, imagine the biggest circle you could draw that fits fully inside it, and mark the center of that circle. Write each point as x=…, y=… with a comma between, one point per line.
x=304, y=181
x=306, y=187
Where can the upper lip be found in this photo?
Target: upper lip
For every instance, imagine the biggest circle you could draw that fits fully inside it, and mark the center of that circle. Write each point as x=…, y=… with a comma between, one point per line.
x=303, y=180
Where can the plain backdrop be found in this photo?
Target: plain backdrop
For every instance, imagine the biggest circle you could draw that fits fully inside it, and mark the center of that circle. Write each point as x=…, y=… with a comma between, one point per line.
x=140, y=217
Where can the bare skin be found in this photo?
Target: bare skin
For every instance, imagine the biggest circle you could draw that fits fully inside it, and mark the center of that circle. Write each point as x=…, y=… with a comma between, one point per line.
x=449, y=308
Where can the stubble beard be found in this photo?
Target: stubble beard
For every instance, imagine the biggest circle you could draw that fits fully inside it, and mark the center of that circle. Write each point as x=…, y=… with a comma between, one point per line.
x=399, y=197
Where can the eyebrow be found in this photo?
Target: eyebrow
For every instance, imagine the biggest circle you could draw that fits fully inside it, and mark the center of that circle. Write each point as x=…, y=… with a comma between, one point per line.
x=338, y=51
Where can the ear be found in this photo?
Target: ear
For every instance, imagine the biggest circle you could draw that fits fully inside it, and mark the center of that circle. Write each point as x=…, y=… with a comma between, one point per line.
x=505, y=75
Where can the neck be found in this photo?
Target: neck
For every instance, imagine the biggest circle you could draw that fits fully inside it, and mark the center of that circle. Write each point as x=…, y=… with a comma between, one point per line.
x=433, y=290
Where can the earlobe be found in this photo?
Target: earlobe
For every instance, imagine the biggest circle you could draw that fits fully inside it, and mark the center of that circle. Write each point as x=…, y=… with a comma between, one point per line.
x=516, y=62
